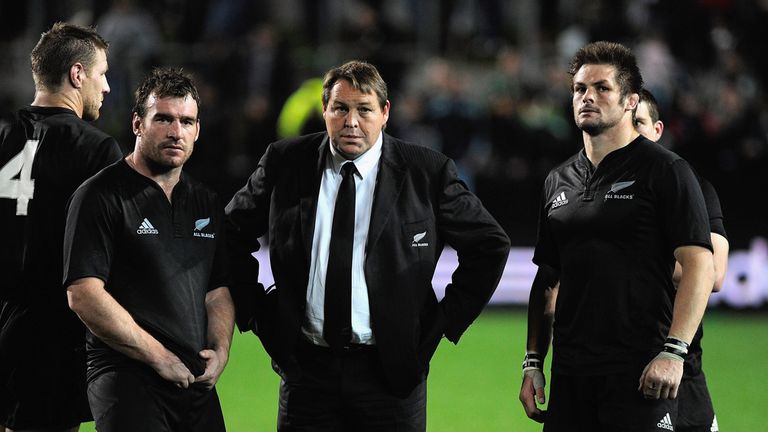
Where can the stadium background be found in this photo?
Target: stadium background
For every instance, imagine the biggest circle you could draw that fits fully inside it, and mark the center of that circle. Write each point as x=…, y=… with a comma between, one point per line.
x=484, y=82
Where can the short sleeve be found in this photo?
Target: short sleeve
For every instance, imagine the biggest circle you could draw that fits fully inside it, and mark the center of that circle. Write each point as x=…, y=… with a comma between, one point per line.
x=683, y=210
x=715, y=212
x=89, y=235
x=545, y=253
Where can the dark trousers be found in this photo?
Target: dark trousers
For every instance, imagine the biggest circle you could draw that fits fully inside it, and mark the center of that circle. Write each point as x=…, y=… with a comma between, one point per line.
x=345, y=392
x=130, y=400
x=606, y=403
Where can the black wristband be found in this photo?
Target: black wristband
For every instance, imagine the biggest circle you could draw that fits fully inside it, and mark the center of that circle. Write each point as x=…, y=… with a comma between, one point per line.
x=676, y=346
x=532, y=360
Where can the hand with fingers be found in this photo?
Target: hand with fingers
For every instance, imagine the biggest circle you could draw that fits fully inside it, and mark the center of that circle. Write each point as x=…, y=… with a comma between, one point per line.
x=532, y=389
x=661, y=377
x=170, y=368
x=214, y=366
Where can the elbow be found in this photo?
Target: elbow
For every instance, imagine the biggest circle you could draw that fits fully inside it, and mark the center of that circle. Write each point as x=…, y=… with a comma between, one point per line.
x=712, y=279
x=718, y=285
x=75, y=300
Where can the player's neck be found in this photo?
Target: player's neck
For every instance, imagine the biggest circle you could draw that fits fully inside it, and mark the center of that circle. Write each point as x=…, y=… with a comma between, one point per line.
x=61, y=99
x=166, y=179
x=598, y=146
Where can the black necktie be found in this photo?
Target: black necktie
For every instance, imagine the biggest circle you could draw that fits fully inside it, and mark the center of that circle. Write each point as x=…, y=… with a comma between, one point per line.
x=337, y=327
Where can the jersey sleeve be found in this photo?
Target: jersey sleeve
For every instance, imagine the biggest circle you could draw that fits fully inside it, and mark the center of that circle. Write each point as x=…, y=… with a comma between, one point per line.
x=89, y=235
x=220, y=268
x=683, y=210
x=715, y=212
x=545, y=253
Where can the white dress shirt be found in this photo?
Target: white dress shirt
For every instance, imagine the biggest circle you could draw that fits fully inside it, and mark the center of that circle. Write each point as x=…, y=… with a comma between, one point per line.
x=367, y=166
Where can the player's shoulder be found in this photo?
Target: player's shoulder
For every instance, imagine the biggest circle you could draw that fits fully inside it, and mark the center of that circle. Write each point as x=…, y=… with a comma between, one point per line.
x=198, y=188
x=657, y=153
x=87, y=133
x=107, y=178
x=567, y=168
x=64, y=125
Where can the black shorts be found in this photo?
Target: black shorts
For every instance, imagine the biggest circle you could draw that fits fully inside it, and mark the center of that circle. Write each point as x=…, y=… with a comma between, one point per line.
x=42, y=368
x=138, y=399
x=606, y=403
x=695, y=411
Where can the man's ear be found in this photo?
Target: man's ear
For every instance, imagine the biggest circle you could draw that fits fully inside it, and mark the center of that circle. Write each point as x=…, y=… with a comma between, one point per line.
x=633, y=100
x=136, y=124
x=76, y=75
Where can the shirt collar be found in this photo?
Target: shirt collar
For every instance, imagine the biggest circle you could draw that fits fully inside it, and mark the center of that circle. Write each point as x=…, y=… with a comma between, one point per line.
x=364, y=163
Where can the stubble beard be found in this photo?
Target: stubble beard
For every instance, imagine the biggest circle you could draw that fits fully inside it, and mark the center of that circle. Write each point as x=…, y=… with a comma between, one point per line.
x=161, y=165
x=90, y=112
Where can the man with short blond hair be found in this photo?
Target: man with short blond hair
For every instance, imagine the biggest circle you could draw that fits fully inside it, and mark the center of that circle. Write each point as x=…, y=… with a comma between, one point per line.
x=46, y=151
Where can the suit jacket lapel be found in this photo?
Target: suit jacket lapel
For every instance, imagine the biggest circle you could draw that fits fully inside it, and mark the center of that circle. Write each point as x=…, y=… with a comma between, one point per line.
x=309, y=196
x=388, y=185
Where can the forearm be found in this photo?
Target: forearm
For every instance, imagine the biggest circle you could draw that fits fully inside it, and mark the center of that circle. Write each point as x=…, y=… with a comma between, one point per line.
x=541, y=310
x=111, y=323
x=696, y=283
x=221, y=318
x=721, y=246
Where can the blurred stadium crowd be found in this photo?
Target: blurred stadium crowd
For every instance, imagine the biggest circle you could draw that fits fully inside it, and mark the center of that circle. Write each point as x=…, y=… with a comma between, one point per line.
x=483, y=81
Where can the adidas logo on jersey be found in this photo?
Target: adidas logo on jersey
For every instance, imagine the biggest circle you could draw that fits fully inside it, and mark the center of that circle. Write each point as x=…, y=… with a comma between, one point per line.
x=665, y=423
x=561, y=200
x=147, y=228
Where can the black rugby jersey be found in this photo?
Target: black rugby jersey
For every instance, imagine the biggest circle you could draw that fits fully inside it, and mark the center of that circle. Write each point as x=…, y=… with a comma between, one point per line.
x=611, y=232
x=45, y=154
x=158, y=258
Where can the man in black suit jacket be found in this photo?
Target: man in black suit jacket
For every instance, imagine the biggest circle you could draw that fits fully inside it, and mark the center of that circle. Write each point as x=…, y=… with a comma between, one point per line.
x=365, y=369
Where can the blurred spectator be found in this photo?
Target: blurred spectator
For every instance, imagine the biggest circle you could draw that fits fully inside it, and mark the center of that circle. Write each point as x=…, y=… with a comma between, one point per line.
x=476, y=79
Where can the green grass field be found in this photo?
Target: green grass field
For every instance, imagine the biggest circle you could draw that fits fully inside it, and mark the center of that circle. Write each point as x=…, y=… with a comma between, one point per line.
x=474, y=386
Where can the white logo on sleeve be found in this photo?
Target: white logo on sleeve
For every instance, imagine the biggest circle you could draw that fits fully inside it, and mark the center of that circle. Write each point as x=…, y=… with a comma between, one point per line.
x=147, y=228
x=200, y=224
x=560, y=200
x=417, y=240
x=715, y=427
x=666, y=423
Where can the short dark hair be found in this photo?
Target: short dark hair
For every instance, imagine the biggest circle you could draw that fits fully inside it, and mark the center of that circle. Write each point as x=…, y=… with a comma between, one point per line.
x=363, y=77
x=614, y=54
x=653, y=106
x=165, y=82
x=61, y=47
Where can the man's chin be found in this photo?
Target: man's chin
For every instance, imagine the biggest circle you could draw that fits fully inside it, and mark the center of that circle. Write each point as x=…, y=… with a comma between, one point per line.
x=349, y=151
x=90, y=116
x=592, y=129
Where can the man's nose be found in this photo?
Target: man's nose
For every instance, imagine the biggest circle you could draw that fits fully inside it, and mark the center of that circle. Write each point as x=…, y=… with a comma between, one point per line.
x=174, y=129
x=351, y=120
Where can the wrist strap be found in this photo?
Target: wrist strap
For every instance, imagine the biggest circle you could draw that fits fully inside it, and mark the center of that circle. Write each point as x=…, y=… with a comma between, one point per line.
x=533, y=360
x=676, y=347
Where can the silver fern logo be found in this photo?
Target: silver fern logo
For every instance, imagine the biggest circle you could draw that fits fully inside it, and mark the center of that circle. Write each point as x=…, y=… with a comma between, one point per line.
x=417, y=238
x=619, y=186
x=200, y=224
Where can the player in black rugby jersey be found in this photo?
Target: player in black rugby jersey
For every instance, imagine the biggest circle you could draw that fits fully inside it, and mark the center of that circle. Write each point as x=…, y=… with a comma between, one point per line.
x=613, y=220
x=146, y=271
x=46, y=150
x=695, y=410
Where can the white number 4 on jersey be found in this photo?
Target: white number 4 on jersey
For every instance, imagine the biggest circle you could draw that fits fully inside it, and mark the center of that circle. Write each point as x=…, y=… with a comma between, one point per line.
x=23, y=188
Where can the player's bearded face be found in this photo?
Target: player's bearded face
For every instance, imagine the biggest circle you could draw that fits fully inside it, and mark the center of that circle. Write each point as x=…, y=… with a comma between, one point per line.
x=168, y=131
x=598, y=104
